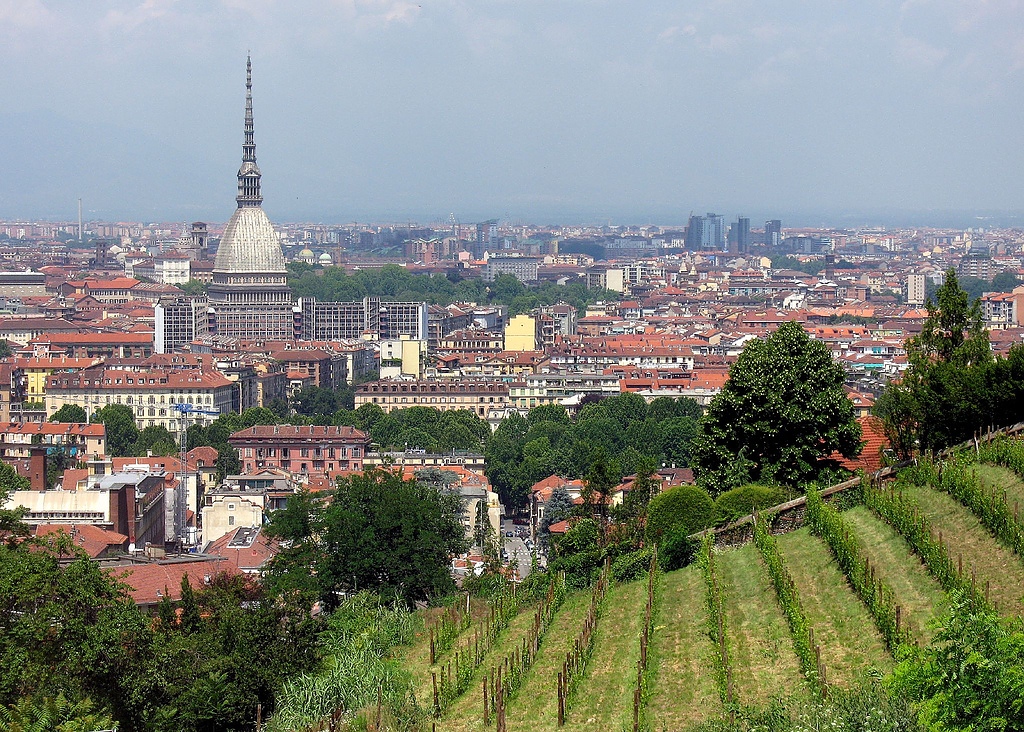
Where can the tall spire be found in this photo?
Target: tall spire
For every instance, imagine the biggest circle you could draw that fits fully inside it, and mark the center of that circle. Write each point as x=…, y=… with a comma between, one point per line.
x=249, y=173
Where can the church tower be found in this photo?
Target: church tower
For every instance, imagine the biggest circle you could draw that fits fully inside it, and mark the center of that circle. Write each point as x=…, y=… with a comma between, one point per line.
x=249, y=296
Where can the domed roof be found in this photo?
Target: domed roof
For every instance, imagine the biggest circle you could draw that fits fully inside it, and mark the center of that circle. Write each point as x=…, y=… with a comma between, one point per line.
x=249, y=244
x=325, y=257
x=306, y=252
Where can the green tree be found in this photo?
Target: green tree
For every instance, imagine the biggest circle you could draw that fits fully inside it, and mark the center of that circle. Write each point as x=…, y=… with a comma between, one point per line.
x=558, y=508
x=5, y=349
x=122, y=433
x=12, y=529
x=688, y=508
x=156, y=440
x=971, y=677
x=1004, y=282
x=70, y=413
x=194, y=287
x=784, y=407
x=946, y=393
x=379, y=532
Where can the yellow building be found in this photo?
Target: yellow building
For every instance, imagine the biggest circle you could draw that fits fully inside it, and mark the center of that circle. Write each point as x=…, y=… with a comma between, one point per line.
x=521, y=333
x=38, y=369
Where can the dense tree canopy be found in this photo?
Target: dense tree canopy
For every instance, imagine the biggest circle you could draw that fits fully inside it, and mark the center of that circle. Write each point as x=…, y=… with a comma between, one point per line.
x=378, y=532
x=781, y=412
x=122, y=433
x=393, y=282
x=624, y=428
x=70, y=413
x=953, y=386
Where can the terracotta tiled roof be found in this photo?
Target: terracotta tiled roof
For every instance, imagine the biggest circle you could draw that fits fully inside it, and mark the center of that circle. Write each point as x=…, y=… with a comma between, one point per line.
x=149, y=583
x=66, y=429
x=286, y=431
x=874, y=443
x=247, y=549
x=95, y=541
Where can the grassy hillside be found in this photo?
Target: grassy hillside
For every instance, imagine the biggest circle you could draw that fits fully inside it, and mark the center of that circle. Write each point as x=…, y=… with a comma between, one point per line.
x=680, y=691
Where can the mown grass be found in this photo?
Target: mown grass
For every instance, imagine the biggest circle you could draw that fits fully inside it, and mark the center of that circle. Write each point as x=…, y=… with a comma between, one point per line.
x=765, y=666
x=920, y=596
x=535, y=706
x=843, y=628
x=682, y=685
x=604, y=698
x=1002, y=479
x=981, y=552
x=467, y=711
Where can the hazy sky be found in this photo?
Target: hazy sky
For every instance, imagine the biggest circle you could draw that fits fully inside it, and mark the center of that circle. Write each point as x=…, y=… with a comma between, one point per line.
x=532, y=110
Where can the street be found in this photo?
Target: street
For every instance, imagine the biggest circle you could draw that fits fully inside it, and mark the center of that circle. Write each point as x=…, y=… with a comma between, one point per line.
x=516, y=548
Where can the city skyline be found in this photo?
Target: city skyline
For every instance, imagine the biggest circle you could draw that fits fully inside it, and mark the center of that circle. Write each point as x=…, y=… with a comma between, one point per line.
x=582, y=112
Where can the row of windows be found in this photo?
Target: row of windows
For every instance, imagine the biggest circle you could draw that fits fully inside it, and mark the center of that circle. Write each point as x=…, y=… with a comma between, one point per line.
x=436, y=387
x=316, y=452
x=435, y=400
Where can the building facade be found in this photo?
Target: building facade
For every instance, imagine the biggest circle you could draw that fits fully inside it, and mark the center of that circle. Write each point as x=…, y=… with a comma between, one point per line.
x=479, y=397
x=371, y=316
x=150, y=394
x=327, y=451
x=178, y=321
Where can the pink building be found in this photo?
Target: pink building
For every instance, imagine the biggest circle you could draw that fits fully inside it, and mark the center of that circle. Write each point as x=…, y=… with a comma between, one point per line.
x=314, y=450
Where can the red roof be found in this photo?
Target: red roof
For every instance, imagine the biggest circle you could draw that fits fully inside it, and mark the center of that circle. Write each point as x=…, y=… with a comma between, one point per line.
x=94, y=540
x=150, y=583
x=288, y=431
x=247, y=549
x=874, y=442
x=66, y=429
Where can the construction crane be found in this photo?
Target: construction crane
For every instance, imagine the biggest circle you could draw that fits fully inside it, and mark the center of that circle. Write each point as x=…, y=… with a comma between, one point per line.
x=181, y=494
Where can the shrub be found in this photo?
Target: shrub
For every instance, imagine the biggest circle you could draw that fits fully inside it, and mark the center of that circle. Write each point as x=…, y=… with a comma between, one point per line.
x=581, y=537
x=632, y=566
x=677, y=549
x=686, y=506
x=745, y=500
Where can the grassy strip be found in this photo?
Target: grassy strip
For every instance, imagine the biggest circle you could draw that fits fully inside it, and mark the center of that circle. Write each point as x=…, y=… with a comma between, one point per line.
x=578, y=656
x=789, y=600
x=466, y=713
x=878, y=597
x=759, y=640
x=454, y=678
x=998, y=478
x=850, y=643
x=905, y=516
x=980, y=559
x=958, y=478
x=921, y=597
x=643, y=681
x=681, y=691
x=604, y=699
x=448, y=626
x=535, y=707
x=713, y=599
x=517, y=662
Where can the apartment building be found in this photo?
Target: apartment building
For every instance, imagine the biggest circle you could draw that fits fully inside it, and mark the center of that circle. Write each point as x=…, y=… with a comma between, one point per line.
x=327, y=451
x=479, y=396
x=150, y=394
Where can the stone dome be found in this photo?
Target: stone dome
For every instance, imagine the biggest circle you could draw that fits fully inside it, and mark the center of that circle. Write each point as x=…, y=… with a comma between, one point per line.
x=325, y=258
x=249, y=244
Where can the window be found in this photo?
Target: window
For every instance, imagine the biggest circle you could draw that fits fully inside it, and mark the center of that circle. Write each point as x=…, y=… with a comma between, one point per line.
x=231, y=520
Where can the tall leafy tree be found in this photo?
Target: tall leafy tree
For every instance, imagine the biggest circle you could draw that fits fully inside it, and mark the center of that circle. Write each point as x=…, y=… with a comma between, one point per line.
x=945, y=393
x=783, y=408
x=69, y=413
x=122, y=433
x=378, y=532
